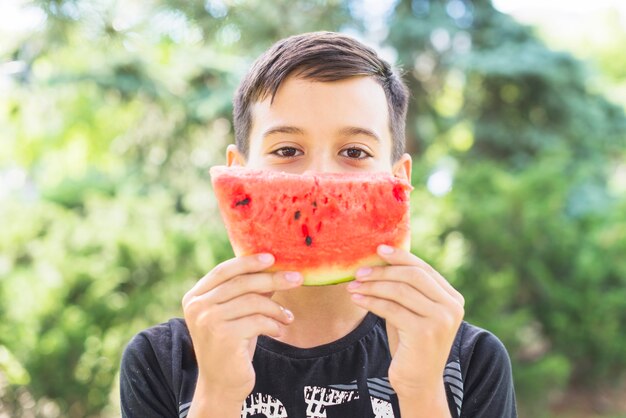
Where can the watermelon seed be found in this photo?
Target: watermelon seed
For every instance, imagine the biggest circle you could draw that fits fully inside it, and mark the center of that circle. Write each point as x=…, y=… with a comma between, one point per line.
x=297, y=215
x=314, y=204
x=243, y=202
x=308, y=240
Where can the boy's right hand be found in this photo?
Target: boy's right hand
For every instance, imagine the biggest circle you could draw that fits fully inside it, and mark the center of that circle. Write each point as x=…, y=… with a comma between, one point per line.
x=225, y=312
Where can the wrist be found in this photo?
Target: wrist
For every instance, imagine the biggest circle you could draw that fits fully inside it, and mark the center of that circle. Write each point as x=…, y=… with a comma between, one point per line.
x=429, y=403
x=211, y=402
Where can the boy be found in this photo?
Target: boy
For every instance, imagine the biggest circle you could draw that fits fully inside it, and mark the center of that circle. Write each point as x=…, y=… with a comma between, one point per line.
x=256, y=344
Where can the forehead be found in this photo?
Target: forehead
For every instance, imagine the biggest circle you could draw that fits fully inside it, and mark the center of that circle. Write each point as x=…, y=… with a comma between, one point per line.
x=315, y=105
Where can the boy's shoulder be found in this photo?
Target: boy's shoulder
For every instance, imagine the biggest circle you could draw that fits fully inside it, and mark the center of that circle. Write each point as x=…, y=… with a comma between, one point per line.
x=473, y=340
x=163, y=332
x=158, y=358
x=475, y=350
x=164, y=339
x=479, y=369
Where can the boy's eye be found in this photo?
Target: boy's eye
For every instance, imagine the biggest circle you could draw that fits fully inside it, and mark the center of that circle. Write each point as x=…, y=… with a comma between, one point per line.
x=355, y=153
x=287, y=152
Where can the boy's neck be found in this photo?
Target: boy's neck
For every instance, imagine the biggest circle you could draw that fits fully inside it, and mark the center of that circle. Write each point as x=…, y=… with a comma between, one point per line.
x=322, y=315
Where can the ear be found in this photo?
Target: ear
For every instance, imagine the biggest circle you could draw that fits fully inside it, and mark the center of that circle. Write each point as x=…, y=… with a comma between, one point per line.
x=402, y=167
x=234, y=157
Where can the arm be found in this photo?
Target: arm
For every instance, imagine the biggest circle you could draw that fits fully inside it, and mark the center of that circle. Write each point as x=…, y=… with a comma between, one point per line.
x=146, y=388
x=423, y=314
x=426, y=404
x=225, y=312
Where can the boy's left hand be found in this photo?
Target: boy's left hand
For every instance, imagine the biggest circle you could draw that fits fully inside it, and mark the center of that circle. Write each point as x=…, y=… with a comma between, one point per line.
x=423, y=313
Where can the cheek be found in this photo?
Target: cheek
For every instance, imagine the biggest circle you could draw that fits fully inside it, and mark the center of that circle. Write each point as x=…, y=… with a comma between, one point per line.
x=383, y=164
x=383, y=160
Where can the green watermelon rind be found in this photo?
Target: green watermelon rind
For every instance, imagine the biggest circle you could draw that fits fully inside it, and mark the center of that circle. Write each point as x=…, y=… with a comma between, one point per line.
x=337, y=275
x=329, y=282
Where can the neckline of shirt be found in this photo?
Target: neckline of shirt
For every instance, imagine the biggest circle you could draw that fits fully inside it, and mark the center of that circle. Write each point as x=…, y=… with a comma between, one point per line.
x=288, y=350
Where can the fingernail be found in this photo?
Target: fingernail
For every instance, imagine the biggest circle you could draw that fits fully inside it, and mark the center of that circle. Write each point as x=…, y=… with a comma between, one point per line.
x=266, y=258
x=363, y=271
x=353, y=285
x=288, y=313
x=385, y=249
x=293, y=276
x=357, y=296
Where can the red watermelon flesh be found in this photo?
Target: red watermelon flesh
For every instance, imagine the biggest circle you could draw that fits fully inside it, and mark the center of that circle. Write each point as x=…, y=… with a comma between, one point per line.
x=324, y=225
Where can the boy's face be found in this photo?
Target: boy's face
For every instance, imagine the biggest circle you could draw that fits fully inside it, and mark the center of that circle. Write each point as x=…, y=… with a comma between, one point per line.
x=340, y=126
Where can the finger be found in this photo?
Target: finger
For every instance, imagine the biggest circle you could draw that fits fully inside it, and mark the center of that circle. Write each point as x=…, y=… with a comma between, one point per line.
x=253, y=304
x=259, y=283
x=398, y=256
x=396, y=314
x=413, y=276
x=399, y=319
x=228, y=269
x=399, y=292
x=252, y=326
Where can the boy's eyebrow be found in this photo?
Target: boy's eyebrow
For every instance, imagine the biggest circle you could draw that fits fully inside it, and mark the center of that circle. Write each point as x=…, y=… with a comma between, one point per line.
x=355, y=130
x=292, y=130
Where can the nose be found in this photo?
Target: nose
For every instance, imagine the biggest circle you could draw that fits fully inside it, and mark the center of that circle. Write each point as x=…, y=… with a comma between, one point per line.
x=321, y=161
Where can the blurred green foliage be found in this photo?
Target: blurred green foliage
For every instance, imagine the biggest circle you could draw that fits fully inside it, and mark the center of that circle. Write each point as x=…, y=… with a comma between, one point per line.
x=112, y=112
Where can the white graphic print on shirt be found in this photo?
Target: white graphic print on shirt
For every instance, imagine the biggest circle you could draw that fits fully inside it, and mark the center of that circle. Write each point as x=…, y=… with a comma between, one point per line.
x=260, y=403
x=319, y=399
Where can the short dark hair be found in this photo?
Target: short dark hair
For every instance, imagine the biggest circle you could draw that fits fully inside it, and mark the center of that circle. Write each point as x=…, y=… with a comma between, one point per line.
x=319, y=56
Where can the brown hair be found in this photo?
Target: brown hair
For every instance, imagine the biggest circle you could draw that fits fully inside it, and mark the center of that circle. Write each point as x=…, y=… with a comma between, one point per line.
x=319, y=56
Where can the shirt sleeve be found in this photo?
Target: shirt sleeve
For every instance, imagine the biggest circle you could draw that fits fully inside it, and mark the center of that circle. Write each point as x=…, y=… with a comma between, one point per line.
x=145, y=381
x=488, y=391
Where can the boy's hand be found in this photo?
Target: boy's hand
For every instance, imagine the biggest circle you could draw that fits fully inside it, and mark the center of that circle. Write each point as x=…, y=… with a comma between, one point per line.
x=423, y=313
x=225, y=312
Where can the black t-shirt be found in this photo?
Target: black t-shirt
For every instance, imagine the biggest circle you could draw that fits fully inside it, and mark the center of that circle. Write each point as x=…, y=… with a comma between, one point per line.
x=343, y=379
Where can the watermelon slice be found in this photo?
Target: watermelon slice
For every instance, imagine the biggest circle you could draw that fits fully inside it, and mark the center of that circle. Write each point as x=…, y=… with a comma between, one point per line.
x=324, y=225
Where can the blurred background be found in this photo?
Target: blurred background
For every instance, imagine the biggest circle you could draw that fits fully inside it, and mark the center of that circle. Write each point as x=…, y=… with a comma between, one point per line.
x=111, y=113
